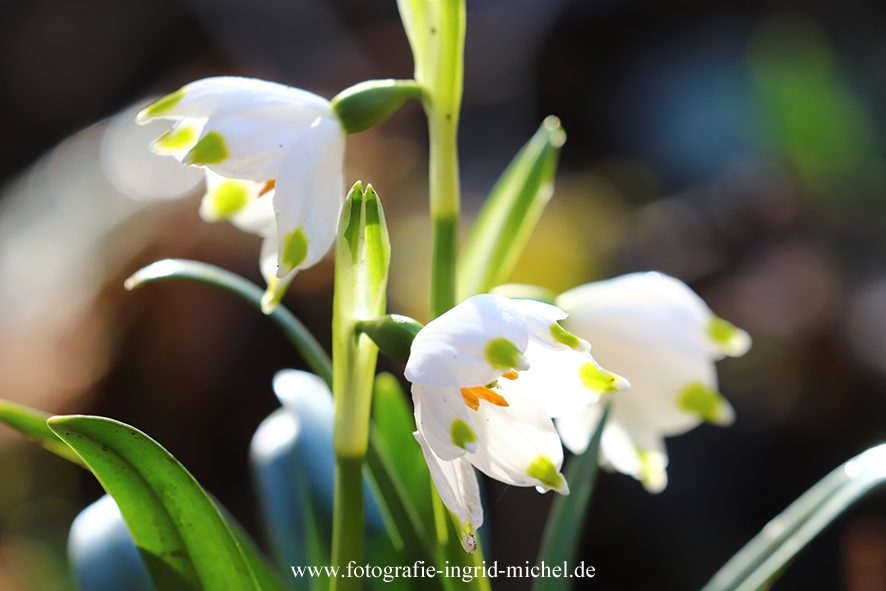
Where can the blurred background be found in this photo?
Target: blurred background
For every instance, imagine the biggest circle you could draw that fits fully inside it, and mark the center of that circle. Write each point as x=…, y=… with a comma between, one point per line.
x=737, y=145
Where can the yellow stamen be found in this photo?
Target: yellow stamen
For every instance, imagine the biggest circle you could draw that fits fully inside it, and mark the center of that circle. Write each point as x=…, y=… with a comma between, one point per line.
x=474, y=394
x=269, y=186
x=510, y=375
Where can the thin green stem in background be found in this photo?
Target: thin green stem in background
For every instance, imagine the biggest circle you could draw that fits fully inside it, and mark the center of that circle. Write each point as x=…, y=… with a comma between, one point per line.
x=198, y=272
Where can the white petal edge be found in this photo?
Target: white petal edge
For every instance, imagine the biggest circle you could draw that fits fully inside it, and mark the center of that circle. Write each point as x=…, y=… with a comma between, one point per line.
x=451, y=349
x=457, y=484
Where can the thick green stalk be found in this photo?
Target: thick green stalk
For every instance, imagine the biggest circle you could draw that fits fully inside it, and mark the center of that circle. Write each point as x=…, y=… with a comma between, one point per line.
x=442, y=99
x=347, y=529
x=362, y=254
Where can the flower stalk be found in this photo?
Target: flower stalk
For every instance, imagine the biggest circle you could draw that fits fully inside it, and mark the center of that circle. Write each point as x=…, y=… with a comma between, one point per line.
x=362, y=255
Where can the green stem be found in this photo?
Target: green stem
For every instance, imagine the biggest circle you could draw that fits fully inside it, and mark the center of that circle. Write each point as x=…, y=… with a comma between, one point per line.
x=443, y=107
x=198, y=272
x=347, y=532
x=443, y=267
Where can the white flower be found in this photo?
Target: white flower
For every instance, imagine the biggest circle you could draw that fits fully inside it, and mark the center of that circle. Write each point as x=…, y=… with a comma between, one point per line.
x=487, y=376
x=262, y=138
x=661, y=336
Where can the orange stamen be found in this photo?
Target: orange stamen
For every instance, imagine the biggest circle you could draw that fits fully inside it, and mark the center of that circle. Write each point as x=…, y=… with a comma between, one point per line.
x=269, y=186
x=510, y=375
x=473, y=396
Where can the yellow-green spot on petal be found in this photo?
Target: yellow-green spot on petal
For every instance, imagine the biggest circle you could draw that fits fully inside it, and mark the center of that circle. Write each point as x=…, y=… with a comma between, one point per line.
x=652, y=468
x=721, y=330
x=174, y=140
x=600, y=380
x=163, y=105
x=561, y=335
x=273, y=294
x=703, y=402
x=229, y=198
x=462, y=434
x=295, y=249
x=728, y=338
x=503, y=354
x=543, y=470
x=209, y=150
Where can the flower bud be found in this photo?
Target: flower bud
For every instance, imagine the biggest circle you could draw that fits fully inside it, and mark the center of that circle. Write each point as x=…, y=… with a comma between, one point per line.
x=392, y=333
x=368, y=103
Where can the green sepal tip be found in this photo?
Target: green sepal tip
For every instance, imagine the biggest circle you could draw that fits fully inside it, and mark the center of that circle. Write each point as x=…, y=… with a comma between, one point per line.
x=369, y=103
x=392, y=333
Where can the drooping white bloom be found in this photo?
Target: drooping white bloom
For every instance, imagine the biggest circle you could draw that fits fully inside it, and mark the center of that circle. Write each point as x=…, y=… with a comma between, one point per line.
x=487, y=377
x=262, y=139
x=661, y=336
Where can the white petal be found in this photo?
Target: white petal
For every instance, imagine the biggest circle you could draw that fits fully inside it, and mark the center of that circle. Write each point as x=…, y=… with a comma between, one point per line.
x=576, y=429
x=454, y=349
x=518, y=444
x=309, y=195
x=227, y=197
x=276, y=287
x=180, y=139
x=635, y=289
x=443, y=420
x=229, y=94
x=253, y=144
x=564, y=382
x=644, y=457
x=457, y=484
x=651, y=310
x=258, y=218
x=542, y=320
x=653, y=403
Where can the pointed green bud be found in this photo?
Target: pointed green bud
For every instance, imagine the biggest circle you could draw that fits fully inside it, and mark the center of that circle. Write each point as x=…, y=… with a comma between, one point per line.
x=367, y=104
x=392, y=333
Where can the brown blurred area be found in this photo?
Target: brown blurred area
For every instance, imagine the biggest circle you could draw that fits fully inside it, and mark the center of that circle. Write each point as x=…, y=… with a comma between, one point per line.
x=736, y=145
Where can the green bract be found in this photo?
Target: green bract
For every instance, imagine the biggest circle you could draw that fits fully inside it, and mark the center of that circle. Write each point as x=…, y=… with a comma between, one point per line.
x=511, y=212
x=367, y=104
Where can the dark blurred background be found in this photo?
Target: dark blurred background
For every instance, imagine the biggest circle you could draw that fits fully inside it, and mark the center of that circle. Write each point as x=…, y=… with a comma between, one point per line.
x=736, y=145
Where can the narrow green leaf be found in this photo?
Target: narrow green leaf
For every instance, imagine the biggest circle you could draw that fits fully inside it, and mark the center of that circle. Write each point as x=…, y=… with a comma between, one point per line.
x=183, y=539
x=511, y=212
x=199, y=272
x=567, y=517
x=404, y=526
x=266, y=575
x=393, y=440
x=765, y=557
x=31, y=423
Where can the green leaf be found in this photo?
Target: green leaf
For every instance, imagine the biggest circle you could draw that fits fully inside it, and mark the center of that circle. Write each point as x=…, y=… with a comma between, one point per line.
x=31, y=423
x=183, y=539
x=567, y=517
x=511, y=212
x=766, y=556
x=393, y=440
x=266, y=575
x=199, y=272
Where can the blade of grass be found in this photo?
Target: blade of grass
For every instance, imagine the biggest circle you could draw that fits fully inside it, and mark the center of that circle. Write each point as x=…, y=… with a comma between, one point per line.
x=762, y=559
